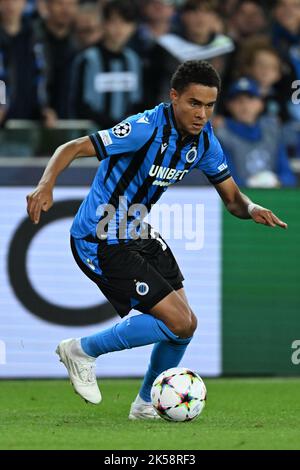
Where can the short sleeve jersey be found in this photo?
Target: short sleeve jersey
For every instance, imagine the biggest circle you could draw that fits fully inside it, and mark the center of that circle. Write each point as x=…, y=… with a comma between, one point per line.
x=140, y=158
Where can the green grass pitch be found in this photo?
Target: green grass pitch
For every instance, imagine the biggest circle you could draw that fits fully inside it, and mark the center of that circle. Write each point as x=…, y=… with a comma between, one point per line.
x=239, y=414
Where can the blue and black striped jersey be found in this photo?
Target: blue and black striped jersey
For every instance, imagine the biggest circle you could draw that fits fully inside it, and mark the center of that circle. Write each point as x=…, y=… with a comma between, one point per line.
x=140, y=158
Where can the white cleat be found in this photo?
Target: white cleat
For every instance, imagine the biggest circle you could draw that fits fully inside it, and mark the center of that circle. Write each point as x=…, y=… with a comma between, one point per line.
x=81, y=371
x=142, y=411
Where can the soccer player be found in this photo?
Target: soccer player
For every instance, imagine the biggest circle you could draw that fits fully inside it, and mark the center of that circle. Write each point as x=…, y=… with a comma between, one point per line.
x=132, y=265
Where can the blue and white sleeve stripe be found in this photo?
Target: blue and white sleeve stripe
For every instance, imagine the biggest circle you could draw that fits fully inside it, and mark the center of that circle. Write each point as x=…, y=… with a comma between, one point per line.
x=98, y=146
x=219, y=177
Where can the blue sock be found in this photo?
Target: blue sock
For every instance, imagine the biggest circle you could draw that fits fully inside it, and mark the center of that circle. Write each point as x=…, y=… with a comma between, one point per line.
x=131, y=333
x=165, y=355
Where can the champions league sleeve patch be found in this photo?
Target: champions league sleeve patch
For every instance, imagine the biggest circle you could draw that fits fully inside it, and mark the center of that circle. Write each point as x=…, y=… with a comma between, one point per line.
x=122, y=130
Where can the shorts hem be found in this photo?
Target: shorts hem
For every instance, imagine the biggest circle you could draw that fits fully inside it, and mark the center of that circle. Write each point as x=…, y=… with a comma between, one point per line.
x=178, y=286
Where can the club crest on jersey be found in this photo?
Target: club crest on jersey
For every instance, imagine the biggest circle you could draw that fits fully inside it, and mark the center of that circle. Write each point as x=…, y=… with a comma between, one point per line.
x=191, y=155
x=142, y=288
x=122, y=130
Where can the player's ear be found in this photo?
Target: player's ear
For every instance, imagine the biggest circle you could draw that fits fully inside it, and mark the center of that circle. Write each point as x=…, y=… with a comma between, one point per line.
x=174, y=95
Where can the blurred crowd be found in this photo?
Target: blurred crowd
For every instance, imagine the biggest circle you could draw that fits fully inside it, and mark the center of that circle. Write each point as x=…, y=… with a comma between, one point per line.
x=103, y=60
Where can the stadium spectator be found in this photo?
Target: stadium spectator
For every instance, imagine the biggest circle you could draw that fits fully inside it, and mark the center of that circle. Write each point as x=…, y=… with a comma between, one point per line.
x=286, y=40
x=199, y=36
x=252, y=144
x=107, y=78
x=21, y=64
x=259, y=60
x=247, y=19
x=55, y=33
x=156, y=20
x=286, y=28
x=88, y=25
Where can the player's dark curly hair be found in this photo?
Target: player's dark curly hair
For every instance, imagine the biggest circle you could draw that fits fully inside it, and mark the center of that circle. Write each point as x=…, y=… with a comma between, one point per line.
x=195, y=71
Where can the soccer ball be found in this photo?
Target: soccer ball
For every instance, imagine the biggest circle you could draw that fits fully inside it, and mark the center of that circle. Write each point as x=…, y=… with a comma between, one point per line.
x=178, y=394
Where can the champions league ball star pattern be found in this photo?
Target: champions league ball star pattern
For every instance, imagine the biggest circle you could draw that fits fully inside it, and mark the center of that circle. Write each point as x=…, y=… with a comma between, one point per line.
x=122, y=130
x=178, y=394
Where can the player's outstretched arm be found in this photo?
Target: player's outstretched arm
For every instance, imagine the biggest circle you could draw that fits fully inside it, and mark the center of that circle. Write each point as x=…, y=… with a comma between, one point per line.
x=41, y=199
x=241, y=206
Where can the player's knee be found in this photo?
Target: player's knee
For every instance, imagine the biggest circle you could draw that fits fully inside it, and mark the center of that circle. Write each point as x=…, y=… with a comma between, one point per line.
x=184, y=324
x=190, y=326
x=194, y=323
x=187, y=326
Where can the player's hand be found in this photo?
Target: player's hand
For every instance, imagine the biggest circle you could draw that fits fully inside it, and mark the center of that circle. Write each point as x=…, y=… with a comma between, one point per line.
x=41, y=199
x=260, y=215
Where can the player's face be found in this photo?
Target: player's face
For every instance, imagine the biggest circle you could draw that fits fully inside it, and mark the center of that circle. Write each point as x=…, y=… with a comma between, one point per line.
x=193, y=107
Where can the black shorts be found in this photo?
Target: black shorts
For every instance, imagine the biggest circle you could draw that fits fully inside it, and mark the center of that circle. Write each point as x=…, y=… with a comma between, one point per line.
x=137, y=274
